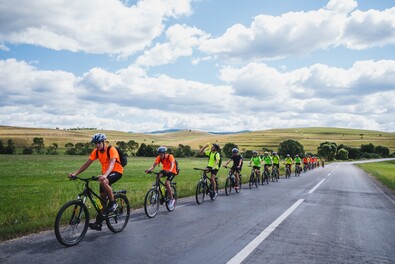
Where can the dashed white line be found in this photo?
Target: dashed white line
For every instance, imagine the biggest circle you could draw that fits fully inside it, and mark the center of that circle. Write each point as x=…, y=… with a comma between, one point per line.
x=245, y=252
x=315, y=187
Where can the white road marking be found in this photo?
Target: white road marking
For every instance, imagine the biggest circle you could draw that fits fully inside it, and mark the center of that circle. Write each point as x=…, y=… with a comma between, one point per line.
x=315, y=187
x=245, y=252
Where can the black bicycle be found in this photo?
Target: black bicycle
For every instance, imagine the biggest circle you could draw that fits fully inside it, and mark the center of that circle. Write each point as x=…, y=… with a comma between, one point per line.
x=204, y=187
x=287, y=171
x=265, y=175
x=298, y=170
x=230, y=182
x=254, y=177
x=275, y=174
x=158, y=194
x=72, y=220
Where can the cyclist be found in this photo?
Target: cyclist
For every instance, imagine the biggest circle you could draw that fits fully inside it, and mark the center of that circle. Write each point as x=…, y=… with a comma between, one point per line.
x=168, y=169
x=297, y=161
x=276, y=161
x=267, y=162
x=288, y=162
x=112, y=171
x=237, y=165
x=214, y=159
x=256, y=161
x=305, y=163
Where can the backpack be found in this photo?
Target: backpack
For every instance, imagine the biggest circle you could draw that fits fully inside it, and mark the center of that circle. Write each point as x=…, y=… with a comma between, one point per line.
x=215, y=158
x=176, y=163
x=122, y=156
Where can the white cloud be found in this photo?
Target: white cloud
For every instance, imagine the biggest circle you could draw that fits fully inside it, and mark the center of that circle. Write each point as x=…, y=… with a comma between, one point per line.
x=101, y=26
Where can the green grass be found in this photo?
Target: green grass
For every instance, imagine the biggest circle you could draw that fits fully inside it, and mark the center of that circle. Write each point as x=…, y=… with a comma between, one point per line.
x=382, y=171
x=34, y=187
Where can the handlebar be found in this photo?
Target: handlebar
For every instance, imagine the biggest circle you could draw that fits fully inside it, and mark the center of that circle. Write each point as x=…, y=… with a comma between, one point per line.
x=93, y=178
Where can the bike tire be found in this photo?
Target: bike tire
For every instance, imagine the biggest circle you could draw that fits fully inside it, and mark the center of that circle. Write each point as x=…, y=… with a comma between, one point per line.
x=118, y=220
x=174, y=189
x=214, y=197
x=267, y=177
x=200, y=192
x=228, y=186
x=252, y=179
x=151, y=203
x=71, y=223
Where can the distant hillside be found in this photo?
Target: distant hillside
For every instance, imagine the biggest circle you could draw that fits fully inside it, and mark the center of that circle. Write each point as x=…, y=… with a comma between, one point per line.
x=310, y=138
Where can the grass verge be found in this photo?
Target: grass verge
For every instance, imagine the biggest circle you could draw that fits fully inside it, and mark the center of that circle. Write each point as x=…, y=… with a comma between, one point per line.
x=382, y=171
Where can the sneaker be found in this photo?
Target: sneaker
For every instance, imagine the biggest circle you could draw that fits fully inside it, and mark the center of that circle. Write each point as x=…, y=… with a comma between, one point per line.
x=95, y=226
x=112, y=206
x=171, y=203
x=215, y=194
x=236, y=187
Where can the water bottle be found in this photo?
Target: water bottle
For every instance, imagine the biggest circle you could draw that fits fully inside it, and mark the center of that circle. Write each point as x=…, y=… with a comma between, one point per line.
x=98, y=202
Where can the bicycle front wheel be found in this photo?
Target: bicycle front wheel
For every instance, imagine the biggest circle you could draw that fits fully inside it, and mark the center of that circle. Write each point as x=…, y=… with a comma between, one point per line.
x=200, y=192
x=118, y=220
x=228, y=186
x=151, y=203
x=251, y=182
x=71, y=223
x=174, y=190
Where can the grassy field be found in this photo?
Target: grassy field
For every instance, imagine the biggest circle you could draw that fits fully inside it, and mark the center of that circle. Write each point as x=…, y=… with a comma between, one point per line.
x=310, y=138
x=382, y=171
x=34, y=187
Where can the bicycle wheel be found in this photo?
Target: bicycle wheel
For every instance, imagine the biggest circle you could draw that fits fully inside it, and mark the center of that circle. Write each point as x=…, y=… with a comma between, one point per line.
x=256, y=180
x=118, y=220
x=228, y=186
x=267, y=177
x=174, y=189
x=252, y=179
x=214, y=197
x=200, y=192
x=151, y=203
x=239, y=189
x=71, y=223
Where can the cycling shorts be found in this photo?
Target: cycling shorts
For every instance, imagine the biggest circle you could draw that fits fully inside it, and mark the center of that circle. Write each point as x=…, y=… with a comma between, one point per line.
x=235, y=169
x=170, y=176
x=213, y=171
x=268, y=165
x=256, y=167
x=276, y=165
x=112, y=178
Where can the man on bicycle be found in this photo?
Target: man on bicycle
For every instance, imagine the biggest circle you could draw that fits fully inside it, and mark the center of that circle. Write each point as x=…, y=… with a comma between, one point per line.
x=237, y=165
x=112, y=171
x=256, y=163
x=288, y=162
x=298, y=161
x=213, y=163
x=168, y=169
x=276, y=161
x=267, y=161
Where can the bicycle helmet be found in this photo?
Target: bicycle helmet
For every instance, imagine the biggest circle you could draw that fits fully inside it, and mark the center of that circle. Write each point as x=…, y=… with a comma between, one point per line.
x=288, y=155
x=216, y=146
x=266, y=153
x=274, y=153
x=161, y=150
x=235, y=150
x=254, y=152
x=97, y=138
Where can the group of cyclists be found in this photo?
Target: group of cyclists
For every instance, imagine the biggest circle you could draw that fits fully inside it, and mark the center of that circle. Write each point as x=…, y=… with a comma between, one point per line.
x=112, y=170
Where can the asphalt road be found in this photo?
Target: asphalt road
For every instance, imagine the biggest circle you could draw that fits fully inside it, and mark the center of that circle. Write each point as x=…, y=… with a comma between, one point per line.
x=336, y=214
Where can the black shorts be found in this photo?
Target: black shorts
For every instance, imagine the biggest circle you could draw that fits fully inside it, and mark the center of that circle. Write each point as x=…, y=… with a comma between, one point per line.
x=169, y=175
x=277, y=165
x=213, y=171
x=256, y=168
x=112, y=178
x=235, y=169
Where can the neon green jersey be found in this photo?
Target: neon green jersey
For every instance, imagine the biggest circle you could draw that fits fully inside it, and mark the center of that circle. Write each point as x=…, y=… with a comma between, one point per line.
x=212, y=158
x=276, y=159
x=298, y=160
x=288, y=160
x=267, y=160
x=256, y=161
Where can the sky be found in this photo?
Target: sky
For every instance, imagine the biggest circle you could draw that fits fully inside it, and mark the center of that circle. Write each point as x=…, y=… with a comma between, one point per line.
x=209, y=65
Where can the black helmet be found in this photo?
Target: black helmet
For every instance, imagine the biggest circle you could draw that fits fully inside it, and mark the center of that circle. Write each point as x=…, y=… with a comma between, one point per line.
x=216, y=146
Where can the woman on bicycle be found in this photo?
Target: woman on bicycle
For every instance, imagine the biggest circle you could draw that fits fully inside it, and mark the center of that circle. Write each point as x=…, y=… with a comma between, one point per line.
x=214, y=159
x=237, y=165
x=288, y=162
x=276, y=161
x=267, y=161
x=112, y=171
x=256, y=163
x=168, y=170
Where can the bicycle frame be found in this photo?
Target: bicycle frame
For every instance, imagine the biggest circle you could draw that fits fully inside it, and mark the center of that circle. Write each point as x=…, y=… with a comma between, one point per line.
x=157, y=184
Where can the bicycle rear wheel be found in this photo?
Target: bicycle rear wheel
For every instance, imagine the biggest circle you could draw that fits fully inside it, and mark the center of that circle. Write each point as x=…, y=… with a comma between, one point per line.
x=151, y=203
x=174, y=189
x=228, y=186
x=200, y=192
x=71, y=223
x=118, y=220
x=252, y=179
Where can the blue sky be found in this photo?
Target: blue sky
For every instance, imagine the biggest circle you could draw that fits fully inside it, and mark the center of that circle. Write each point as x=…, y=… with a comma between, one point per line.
x=211, y=65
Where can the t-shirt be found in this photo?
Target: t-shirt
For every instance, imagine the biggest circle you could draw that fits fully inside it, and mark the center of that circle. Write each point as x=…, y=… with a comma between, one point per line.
x=288, y=160
x=105, y=161
x=236, y=160
x=166, y=163
x=298, y=160
x=213, y=157
x=276, y=159
x=267, y=160
x=256, y=161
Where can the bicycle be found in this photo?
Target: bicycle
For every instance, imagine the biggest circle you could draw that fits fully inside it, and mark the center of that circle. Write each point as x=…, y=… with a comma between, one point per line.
x=72, y=220
x=158, y=194
x=275, y=174
x=231, y=182
x=204, y=187
x=265, y=175
x=254, y=177
x=298, y=169
x=287, y=171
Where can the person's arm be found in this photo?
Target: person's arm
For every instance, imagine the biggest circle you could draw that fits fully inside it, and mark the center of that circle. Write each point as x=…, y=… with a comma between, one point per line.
x=81, y=169
x=152, y=167
x=204, y=147
x=240, y=162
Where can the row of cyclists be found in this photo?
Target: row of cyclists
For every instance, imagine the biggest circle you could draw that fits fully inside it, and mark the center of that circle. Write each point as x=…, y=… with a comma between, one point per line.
x=112, y=169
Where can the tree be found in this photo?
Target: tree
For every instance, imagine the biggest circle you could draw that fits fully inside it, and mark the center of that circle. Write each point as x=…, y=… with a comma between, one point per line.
x=342, y=154
x=227, y=149
x=2, y=149
x=290, y=147
x=53, y=150
x=327, y=150
x=123, y=146
x=132, y=146
x=369, y=148
x=27, y=150
x=10, y=148
x=382, y=151
x=38, y=145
